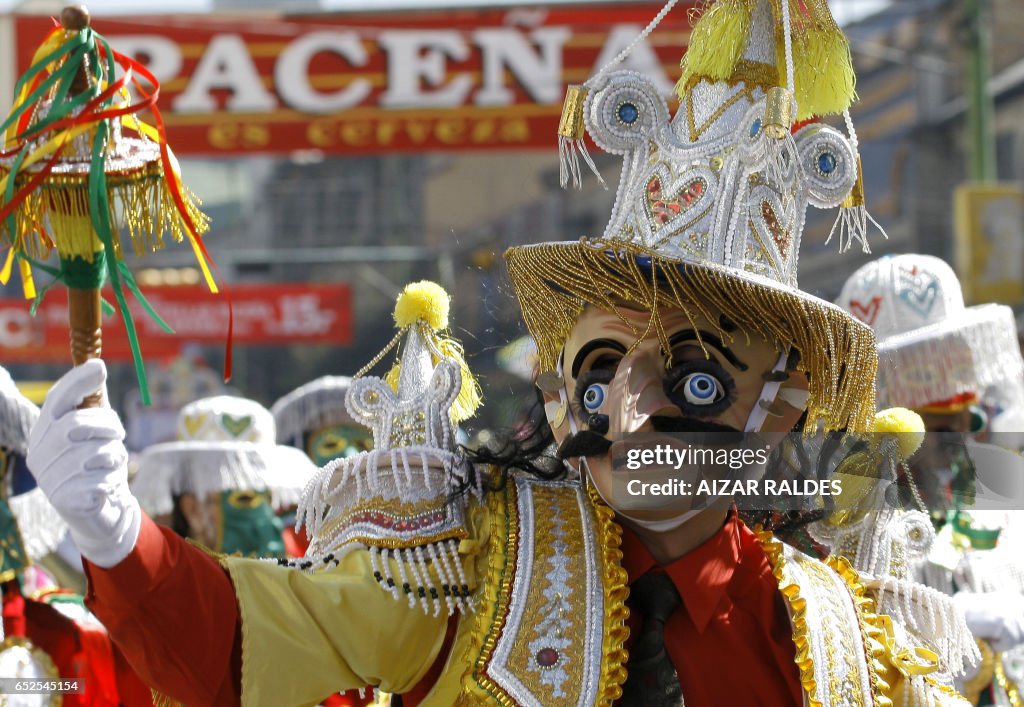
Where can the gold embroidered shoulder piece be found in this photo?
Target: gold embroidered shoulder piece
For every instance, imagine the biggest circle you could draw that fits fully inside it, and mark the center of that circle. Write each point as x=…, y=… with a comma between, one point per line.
x=554, y=566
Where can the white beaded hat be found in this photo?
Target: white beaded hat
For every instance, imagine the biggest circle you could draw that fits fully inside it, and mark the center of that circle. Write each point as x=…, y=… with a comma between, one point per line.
x=933, y=351
x=225, y=443
x=311, y=406
x=711, y=202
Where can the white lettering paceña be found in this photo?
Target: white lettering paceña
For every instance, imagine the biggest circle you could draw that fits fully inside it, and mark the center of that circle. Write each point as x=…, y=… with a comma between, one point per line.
x=291, y=72
x=417, y=62
x=540, y=71
x=226, y=64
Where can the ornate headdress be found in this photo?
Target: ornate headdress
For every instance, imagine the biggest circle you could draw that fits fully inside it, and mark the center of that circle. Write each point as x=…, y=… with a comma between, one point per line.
x=225, y=445
x=405, y=500
x=711, y=202
x=932, y=350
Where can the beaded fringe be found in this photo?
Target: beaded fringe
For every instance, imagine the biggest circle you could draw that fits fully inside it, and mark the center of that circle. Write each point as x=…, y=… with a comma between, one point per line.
x=41, y=527
x=362, y=473
x=17, y=415
x=569, y=153
x=141, y=203
x=554, y=282
x=424, y=570
x=931, y=614
x=852, y=225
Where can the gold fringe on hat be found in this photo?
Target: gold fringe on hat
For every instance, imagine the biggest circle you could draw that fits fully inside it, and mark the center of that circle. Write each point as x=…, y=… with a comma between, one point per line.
x=555, y=281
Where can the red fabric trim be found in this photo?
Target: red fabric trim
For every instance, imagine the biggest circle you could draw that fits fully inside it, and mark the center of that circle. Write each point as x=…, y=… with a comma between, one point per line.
x=14, y=610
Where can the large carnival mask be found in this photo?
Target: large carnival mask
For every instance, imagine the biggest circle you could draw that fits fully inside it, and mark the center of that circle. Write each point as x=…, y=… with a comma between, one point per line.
x=623, y=393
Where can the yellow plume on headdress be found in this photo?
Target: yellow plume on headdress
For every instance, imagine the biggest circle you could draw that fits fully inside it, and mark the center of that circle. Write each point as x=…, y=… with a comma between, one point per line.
x=906, y=425
x=426, y=304
x=824, y=79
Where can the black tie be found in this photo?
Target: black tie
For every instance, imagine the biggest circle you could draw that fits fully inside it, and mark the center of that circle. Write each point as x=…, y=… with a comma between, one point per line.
x=652, y=679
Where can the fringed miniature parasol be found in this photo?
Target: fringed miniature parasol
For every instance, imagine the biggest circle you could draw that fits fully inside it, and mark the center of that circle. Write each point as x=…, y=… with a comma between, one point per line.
x=78, y=169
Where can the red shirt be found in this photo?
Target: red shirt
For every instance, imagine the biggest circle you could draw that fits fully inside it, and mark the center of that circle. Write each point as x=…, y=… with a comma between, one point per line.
x=730, y=640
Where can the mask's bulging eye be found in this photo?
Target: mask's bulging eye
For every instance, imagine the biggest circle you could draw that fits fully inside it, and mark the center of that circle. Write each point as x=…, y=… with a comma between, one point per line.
x=594, y=396
x=701, y=389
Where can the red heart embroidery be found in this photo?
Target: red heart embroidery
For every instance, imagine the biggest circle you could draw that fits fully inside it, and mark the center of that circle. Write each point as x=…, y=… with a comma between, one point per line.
x=866, y=313
x=664, y=208
x=780, y=235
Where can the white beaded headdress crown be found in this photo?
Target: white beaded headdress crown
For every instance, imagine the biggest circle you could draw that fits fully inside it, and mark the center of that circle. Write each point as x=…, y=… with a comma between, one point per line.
x=404, y=500
x=711, y=204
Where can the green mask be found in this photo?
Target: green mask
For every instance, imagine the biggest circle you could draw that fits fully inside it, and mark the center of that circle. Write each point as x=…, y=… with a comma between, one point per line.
x=248, y=525
x=337, y=442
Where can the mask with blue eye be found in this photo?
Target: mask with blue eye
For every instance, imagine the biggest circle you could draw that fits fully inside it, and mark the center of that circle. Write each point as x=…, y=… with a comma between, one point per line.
x=701, y=388
x=594, y=397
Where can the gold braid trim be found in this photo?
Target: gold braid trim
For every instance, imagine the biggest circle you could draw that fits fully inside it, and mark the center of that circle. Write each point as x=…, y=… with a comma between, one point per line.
x=555, y=281
x=492, y=607
x=1011, y=689
x=871, y=629
x=798, y=608
x=616, y=589
x=141, y=203
x=751, y=73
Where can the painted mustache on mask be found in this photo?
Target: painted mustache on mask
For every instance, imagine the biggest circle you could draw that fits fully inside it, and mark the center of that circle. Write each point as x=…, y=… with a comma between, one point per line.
x=590, y=443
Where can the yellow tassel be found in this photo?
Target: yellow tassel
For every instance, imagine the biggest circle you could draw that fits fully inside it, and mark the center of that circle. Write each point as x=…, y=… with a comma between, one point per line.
x=716, y=43
x=470, y=396
x=824, y=81
x=391, y=377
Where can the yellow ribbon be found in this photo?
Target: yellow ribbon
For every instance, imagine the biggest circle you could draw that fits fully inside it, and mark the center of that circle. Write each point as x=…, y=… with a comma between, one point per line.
x=916, y=661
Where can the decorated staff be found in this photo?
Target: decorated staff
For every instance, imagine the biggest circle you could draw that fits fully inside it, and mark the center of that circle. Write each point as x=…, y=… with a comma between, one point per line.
x=78, y=168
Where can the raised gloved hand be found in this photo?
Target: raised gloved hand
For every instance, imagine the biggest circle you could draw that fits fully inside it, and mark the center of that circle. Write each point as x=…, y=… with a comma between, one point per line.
x=995, y=617
x=80, y=462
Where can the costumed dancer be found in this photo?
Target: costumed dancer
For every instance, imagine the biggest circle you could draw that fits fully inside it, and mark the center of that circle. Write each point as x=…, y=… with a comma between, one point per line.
x=453, y=582
x=938, y=357
x=47, y=633
x=313, y=418
x=225, y=481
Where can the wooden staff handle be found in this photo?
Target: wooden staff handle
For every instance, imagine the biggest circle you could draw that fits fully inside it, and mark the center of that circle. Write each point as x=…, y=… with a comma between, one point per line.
x=84, y=306
x=85, y=317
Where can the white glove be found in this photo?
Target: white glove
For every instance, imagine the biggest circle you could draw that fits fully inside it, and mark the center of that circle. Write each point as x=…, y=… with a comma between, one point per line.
x=80, y=462
x=995, y=617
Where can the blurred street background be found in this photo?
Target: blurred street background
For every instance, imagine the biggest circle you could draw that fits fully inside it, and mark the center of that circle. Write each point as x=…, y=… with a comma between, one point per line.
x=344, y=149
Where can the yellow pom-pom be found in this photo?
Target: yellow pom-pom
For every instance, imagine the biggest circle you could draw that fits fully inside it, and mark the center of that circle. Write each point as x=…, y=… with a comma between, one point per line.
x=906, y=424
x=422, y=300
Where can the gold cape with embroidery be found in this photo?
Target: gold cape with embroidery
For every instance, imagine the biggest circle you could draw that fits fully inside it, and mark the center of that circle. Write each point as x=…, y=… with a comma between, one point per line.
x=548, y=628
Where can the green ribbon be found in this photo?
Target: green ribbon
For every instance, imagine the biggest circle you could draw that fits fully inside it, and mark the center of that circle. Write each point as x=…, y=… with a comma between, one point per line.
x=78, y=273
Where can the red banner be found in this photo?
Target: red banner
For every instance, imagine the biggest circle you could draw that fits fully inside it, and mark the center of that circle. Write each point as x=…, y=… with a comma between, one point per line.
x=361, y=83
x=264, y=314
